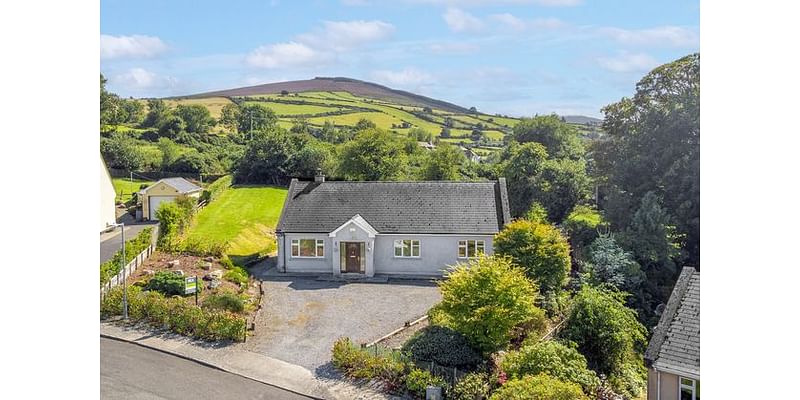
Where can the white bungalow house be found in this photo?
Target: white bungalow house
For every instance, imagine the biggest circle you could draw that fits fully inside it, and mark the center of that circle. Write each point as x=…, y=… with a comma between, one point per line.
x=390, y=228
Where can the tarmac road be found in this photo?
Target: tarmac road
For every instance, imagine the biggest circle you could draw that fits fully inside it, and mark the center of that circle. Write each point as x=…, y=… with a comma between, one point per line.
x=129, y=371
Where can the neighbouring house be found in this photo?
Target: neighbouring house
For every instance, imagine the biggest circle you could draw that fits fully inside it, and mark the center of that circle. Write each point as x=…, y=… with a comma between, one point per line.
x=165, y=190
x=388, y=228
x=673, y=356
x=108, y=197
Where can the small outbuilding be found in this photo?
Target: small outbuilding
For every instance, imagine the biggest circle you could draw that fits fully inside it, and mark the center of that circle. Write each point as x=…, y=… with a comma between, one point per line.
x=165, y=190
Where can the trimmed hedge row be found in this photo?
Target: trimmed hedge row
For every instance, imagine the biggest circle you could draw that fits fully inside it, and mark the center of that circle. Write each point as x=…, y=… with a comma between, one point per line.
x=175, y=314
x=133, y=247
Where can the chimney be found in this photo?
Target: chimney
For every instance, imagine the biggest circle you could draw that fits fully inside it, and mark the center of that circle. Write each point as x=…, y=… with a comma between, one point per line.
x=320, y=177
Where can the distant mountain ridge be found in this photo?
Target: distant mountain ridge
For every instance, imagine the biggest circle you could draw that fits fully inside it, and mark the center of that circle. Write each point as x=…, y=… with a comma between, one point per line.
x=338, y=84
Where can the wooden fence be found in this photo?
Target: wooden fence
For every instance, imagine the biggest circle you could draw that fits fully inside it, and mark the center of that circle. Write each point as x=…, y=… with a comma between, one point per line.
x=156, y=175
x=127, y=270
x=131, y=267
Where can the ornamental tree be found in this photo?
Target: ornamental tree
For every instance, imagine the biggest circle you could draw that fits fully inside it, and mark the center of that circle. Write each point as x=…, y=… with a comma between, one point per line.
x=539, y=248
x=485, y=300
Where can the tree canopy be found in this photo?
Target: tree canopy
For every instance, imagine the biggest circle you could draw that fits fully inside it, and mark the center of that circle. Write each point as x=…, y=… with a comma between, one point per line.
x=373, y=155
x=485, y=300
x=539, y=249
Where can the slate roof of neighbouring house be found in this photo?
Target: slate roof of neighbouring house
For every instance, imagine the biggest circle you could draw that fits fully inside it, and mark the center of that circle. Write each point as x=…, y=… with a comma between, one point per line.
x=675, y=345
x=180, y=184
x=397, y=207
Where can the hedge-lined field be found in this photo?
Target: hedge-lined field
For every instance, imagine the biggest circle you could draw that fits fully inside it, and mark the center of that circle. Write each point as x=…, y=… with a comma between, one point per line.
x=243, y=216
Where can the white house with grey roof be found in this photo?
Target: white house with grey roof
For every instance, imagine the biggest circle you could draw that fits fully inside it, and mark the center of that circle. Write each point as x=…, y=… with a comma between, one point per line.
x=673, y=355
x=387, y=228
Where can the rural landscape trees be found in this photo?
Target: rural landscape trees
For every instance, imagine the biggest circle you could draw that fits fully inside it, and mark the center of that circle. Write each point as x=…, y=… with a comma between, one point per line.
x=603, y=219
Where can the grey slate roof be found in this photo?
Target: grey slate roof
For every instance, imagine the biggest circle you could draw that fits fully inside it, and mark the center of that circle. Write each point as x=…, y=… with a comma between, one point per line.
x=180, y=184
x=397, y=207
x=675, y=345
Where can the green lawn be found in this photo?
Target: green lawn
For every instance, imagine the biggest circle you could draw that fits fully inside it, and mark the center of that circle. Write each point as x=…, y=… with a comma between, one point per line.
x=243, y=216
x=125, y=188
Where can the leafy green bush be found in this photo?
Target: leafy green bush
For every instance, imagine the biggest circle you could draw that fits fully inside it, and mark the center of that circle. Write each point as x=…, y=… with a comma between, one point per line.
x=443, y=346
x=485, y=300
x=226, y=262
x=216, y=188
x=581, y=225
x=419, y=379
x=237, y=275
x=175, y=314
x=168, y=283
x=539, y=387
x=552, y=358
x=473, y=386
x=225, y=301
x=538, y=248
x=609, y=335
x=537, y=213
x=200, y=247
x=358, y=363
x=133, y=247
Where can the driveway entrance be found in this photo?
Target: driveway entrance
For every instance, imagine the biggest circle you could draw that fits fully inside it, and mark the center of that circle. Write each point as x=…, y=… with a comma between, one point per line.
x=302, y=317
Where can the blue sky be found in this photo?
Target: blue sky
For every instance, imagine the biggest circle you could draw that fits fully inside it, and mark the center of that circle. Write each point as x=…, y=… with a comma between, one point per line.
x=516, y=57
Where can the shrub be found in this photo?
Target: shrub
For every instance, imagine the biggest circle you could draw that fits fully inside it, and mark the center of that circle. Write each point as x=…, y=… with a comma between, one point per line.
x=610, y=264
x=357, y=363
x=237, y=275
x=225, y=301
x=551, y=358
x=538, y=248
x=609, y=335
x=133, y=247
x=200, y=247
x=175, y=314
x=419, y=379
x=168, y=283
x=485, y=300
x=581, y=224
x=226, y=262
x=443, y=346
x=473, y=386
x=537, y=213
x=539, y=387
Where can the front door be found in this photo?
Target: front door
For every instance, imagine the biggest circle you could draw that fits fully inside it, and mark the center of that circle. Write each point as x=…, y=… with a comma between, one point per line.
x=352, y=257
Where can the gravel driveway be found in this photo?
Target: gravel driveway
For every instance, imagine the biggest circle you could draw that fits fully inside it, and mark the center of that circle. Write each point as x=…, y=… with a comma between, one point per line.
x=302, y=317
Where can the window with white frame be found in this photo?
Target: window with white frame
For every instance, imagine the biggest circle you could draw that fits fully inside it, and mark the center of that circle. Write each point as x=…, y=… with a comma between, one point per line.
x=470, y=248
x=406, y=248
x=309, y=248
x=689, y=389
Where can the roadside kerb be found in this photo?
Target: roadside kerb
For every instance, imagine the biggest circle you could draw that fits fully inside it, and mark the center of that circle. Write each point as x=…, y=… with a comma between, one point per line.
x=236, y=361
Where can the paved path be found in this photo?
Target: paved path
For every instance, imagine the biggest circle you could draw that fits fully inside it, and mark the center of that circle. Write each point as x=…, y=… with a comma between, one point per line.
x=111, y=242
x=129, y=371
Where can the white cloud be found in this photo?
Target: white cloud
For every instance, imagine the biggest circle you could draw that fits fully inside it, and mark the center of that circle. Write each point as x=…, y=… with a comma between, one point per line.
x=344, y=35
x=628, y=62
x=135, y=46
x=461, y=21
x=404, y=78
x=659, y=36
x=287, y=54
x=509, y=21
x=136, y=79
x=320, y=46
x=453, y=48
